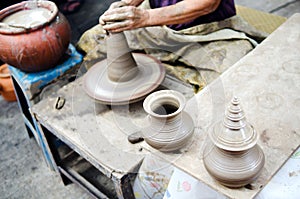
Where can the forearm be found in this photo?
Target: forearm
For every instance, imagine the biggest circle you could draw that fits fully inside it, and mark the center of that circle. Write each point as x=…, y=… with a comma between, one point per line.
x=181, y=12
x=120, y=18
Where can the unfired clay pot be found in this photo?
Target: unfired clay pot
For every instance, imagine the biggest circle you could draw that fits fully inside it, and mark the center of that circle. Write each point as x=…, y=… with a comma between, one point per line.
x=122, y=66
x=169, y=126
x=233, y=158
x=33, y=35
x=123, y=77
x=6, y=84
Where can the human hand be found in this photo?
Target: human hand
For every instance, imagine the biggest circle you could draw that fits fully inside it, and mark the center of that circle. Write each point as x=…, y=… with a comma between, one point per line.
x=119, y=18
x=112, y=6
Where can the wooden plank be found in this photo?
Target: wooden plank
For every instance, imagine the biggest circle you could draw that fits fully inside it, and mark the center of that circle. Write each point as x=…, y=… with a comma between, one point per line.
x=267, y=81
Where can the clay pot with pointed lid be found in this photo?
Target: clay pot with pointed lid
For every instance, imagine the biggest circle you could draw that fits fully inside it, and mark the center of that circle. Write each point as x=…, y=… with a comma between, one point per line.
x=234, y=158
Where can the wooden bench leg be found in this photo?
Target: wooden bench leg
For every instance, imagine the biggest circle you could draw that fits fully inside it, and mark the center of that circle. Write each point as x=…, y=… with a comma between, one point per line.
x=124, y=188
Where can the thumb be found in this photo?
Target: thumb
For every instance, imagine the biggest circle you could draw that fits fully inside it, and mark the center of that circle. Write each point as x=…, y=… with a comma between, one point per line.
x=117, y=4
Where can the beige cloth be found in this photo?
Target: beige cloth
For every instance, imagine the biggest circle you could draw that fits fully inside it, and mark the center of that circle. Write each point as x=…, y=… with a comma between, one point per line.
x=196, y=55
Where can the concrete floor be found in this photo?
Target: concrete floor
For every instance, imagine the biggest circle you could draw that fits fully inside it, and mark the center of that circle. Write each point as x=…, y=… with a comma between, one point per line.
x=23, y=171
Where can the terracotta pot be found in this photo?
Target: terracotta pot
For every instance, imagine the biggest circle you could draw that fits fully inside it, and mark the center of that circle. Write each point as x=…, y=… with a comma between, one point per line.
x=6, y=84
x=33, y=35
x=169, y=126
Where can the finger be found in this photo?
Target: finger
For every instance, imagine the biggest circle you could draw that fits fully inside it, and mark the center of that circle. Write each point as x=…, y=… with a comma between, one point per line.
x=117, y=26
x=115, y=17
x=124, y=9
x=113, y=6
x=101, y=21
x=118, y=30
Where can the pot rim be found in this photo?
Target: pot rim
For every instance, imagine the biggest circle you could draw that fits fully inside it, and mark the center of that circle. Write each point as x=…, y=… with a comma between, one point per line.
x=26, y=5
x=164, y=96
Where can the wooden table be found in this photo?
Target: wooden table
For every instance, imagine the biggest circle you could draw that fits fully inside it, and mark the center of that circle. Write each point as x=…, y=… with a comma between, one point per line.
x=267, y=81
x=96, y=132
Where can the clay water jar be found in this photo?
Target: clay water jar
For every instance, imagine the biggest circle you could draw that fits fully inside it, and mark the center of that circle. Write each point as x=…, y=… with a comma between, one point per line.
x=169, y=126
x=6, y=84
x=33, y=35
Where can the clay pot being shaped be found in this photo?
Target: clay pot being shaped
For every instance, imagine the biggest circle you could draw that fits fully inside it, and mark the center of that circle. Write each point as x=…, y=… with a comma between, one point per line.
x=169, y=126
x=34, y=35
x=121, y=65
x=234, y=158
x=123, y=77
x=6, y=85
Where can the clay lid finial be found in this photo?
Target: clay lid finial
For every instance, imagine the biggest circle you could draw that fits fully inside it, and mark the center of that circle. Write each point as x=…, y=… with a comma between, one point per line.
x=234, y=116
x=234, y=133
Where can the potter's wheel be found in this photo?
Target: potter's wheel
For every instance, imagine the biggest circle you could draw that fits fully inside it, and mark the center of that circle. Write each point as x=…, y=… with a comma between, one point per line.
x=98, y=85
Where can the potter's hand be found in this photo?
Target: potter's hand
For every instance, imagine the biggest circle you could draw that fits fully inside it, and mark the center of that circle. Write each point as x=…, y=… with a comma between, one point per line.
x=112, y=6
x=117, y=19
